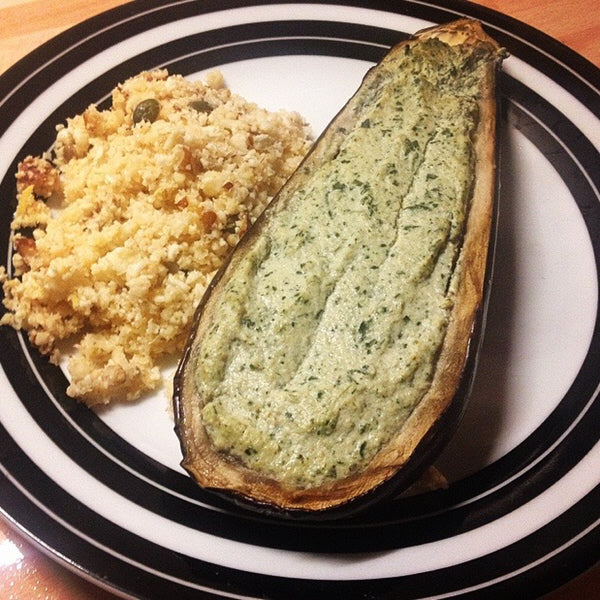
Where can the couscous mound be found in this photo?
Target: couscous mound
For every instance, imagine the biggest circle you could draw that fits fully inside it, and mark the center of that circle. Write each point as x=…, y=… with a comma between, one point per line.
x=151, y=195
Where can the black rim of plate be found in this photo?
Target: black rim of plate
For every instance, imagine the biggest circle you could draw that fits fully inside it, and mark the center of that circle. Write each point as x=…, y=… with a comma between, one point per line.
x=138, y=567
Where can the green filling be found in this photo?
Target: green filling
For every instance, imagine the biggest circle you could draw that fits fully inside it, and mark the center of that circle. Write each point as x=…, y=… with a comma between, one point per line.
x=327, y=337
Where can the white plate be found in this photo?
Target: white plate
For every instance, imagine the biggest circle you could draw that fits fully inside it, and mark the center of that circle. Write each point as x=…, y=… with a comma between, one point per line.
x=104, y=491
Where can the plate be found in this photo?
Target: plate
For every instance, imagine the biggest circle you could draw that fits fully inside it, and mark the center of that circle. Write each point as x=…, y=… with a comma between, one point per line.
x=103, y=491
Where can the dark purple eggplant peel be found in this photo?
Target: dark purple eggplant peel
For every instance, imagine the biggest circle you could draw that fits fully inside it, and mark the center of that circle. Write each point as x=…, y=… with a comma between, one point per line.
x=331, y=358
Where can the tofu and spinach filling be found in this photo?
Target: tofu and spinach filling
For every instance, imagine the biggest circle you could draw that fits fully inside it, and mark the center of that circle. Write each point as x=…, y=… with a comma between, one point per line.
x=328, y=335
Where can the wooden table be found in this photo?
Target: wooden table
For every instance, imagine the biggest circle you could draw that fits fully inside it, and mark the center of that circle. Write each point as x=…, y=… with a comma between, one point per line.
x=27, y=574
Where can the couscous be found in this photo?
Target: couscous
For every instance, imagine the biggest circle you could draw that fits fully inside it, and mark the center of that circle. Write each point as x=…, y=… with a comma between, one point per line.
x=132, y=212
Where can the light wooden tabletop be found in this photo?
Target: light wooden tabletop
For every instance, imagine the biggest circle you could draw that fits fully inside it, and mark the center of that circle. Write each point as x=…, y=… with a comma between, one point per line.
x=26, y=573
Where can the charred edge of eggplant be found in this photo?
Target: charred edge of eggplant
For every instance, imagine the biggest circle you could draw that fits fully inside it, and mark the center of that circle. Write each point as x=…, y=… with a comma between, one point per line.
x=383, y=495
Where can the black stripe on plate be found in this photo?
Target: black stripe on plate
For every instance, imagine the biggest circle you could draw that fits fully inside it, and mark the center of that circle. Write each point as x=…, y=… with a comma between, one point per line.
x=140, y=567
x=561, y=135
x=93, y=545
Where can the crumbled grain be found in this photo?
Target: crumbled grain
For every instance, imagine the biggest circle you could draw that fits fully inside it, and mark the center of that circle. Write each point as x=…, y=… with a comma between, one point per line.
x=146, y=213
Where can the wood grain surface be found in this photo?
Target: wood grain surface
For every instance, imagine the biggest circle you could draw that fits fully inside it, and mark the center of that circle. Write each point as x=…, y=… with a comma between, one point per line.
x=26, y=573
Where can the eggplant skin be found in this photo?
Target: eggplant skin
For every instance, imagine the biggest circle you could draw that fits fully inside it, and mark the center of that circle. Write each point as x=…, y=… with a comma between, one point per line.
x=295, y=450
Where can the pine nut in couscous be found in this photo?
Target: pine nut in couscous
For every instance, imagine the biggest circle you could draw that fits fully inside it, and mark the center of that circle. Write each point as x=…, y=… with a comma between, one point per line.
x=132, y=212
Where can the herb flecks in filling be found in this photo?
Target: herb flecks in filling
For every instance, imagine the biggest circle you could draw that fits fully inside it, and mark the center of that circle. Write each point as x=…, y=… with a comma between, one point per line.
x=336, y=320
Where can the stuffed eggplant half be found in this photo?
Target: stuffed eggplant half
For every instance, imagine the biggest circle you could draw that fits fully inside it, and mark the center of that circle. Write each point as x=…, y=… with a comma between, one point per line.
x=329, y=359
